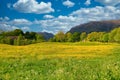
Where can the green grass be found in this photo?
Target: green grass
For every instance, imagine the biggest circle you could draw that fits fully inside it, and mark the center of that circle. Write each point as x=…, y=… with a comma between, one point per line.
x=60, y=61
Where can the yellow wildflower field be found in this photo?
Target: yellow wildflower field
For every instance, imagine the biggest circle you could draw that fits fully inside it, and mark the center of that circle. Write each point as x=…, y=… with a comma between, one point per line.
x=50, y=50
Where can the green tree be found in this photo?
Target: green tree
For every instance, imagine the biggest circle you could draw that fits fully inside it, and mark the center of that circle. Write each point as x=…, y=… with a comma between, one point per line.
x=17, y=32
x=92, y=36
x=117, y=36
x=99, y=36
x=112, y=35
x=60, y=37
x=33, y=35
x=68, y=37
x=9, y=41
x=83, y=36
x=19, y=40
x=39, y=38
x=75, y=37
x=105, y=37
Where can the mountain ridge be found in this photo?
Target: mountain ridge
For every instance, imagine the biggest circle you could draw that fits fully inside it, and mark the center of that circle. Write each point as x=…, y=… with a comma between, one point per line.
x=96, y=26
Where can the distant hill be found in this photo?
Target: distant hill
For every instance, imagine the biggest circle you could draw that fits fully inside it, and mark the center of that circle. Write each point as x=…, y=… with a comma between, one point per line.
x=98, y=26
x=46, y=35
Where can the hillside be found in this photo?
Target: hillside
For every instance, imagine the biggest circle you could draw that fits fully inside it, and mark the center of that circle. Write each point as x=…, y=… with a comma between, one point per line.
x=46, y=35
x=98, y=26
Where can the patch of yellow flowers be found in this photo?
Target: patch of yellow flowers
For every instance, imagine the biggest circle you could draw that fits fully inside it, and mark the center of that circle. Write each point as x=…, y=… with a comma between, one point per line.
x=50, y=50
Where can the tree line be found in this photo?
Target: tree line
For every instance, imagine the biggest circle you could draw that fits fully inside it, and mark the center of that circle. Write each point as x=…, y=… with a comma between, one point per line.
x=112, y=36
x=18, y=37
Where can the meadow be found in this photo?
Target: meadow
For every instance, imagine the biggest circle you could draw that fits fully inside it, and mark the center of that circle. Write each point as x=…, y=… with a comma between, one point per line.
x=60, y=61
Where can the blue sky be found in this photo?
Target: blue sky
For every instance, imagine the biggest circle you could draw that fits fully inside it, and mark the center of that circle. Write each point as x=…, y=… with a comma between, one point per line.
x=55, y=15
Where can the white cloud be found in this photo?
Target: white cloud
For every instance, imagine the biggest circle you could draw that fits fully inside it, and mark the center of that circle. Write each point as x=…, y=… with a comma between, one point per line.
x=20, y=22
x=68, y=3
x=32, y=6
x=109, y=2
x=48, y=16
x=7, y=27
x=25, y=28
x=63, y=23
x=88, y=2
x=80, y=16
x=97, y=13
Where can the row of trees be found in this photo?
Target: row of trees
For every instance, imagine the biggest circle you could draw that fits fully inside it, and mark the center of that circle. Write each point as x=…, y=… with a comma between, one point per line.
x=113, y=36
x=17, y=37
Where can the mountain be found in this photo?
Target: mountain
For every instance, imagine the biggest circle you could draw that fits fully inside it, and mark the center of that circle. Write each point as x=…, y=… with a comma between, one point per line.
x=98, y=26
x=46, y=35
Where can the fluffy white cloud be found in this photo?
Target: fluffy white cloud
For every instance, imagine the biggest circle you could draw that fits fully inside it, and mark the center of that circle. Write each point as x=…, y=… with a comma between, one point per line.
x=97, y=13
x=88, y=2
x=32, y=6
x=7, y=27
x=80, y=16
x=20, y=22
x=25, y=28
x=109, y=2
x=68, y=3
x=48, y=16
x=63, y=23
x=7, y=24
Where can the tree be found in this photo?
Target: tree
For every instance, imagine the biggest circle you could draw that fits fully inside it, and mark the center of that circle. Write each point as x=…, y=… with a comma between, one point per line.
x=68, y=37
x=33, y=35
x=60, y=37
x=75, y=37
x=112, y=35
x=92, y=36
x=9, y=41
x=99, y=36
x=105, y=37
x=117, y=36
x=39, y=38
x=17, y=32
x=27, y=35
x=19, y=40
x=83, y=36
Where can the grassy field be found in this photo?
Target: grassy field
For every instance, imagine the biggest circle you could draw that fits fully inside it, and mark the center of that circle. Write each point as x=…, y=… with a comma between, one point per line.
x=60, y=61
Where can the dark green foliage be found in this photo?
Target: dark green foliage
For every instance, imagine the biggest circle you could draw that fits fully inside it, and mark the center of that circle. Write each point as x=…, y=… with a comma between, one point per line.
x=17, y=32
x=17, y=37
x=75, y=37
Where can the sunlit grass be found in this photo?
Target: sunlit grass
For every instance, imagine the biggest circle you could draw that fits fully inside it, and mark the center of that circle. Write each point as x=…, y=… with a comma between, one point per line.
x=60, y=61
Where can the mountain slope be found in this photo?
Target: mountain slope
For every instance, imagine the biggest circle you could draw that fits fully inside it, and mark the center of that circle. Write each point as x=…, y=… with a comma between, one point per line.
x=98, y=26
x=46, y=35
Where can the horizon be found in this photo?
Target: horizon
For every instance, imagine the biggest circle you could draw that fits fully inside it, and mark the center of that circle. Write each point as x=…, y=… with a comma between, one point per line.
x=45, y=16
